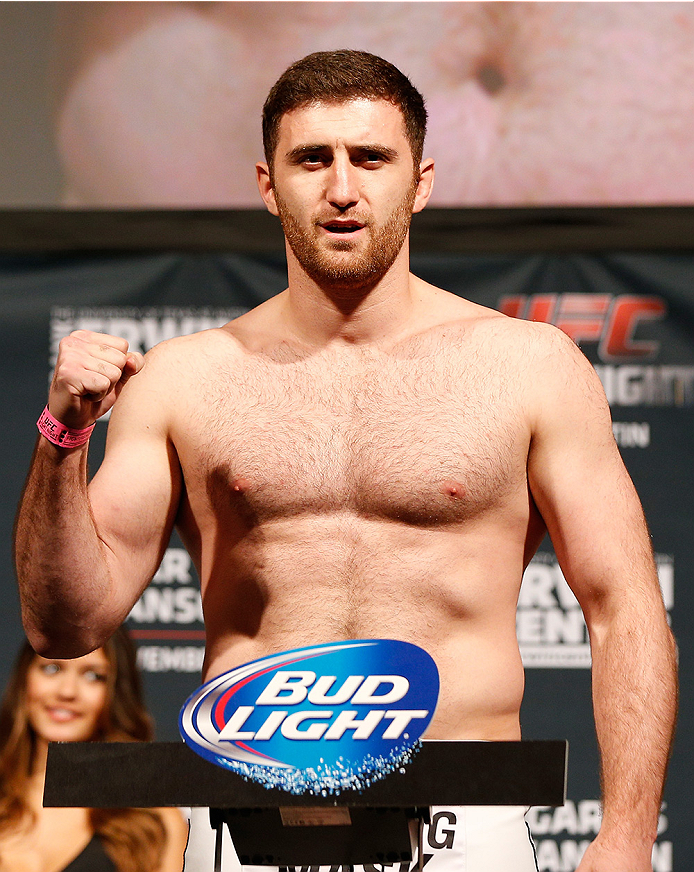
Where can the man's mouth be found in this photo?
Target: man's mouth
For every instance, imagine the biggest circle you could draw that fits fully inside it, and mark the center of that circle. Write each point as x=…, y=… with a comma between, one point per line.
x=344, y=227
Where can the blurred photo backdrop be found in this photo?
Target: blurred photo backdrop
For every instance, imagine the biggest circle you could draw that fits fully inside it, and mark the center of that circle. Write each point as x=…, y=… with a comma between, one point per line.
x=157, y=105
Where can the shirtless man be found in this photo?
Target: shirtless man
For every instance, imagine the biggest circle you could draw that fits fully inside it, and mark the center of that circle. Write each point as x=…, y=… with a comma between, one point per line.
x=363, y=455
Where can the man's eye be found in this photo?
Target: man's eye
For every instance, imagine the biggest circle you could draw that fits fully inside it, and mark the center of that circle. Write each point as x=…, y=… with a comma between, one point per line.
x=372, y=159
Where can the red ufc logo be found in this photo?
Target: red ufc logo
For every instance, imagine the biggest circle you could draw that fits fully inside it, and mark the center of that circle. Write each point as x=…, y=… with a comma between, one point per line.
x=611, y=321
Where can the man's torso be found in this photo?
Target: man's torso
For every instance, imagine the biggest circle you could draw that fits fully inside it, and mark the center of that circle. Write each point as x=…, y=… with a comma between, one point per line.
x=351, y=492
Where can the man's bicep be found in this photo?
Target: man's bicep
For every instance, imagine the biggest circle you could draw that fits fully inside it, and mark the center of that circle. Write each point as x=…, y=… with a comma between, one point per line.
x=134, y=497
x=584, y=493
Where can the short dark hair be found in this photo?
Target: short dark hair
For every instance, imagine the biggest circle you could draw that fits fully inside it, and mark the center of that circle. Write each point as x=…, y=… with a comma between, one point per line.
x=336, y=77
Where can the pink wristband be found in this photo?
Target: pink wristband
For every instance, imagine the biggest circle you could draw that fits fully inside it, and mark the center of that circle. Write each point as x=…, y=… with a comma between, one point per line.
x=59, y=434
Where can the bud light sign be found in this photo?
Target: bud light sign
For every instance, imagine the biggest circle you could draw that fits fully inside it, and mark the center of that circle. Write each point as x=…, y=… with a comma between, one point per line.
x=319, y=719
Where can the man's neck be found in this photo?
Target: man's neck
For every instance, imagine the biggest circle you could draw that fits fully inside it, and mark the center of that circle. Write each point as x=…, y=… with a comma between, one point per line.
x=320, y=315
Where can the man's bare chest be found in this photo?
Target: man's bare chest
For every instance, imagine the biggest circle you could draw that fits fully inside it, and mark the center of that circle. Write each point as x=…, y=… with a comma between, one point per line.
x=414, y=440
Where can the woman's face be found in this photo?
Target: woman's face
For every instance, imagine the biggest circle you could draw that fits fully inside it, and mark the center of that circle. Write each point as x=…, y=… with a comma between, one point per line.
x=65, y=698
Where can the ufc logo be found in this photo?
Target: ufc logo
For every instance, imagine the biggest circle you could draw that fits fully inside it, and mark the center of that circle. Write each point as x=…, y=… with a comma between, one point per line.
x=603, y=318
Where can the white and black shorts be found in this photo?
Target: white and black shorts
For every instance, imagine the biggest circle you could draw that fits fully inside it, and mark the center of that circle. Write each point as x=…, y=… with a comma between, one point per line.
x=459, y=839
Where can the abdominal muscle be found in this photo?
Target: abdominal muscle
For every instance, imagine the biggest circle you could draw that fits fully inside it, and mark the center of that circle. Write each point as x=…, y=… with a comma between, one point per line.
x=297, y=582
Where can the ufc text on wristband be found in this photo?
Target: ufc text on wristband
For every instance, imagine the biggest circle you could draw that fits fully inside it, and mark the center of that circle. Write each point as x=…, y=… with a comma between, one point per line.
x=59, y=434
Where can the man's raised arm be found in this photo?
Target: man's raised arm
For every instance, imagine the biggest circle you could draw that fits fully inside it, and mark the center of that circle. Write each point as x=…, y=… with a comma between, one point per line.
x=83, y=558
x=599, y=533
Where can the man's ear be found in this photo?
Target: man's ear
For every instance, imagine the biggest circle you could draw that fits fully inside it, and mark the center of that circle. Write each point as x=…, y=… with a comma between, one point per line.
x=426, y=183
x=262, y=172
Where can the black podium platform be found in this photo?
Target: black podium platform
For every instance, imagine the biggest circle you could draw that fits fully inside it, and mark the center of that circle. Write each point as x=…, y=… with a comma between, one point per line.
x=273, y=827
x=148, y=774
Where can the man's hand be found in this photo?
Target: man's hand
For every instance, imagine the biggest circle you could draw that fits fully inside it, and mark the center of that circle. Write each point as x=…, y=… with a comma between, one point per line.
x=599, y=858
x=89, y=375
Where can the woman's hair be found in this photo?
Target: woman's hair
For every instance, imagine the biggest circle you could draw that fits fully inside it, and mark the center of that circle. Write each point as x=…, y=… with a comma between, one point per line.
x=134, y=838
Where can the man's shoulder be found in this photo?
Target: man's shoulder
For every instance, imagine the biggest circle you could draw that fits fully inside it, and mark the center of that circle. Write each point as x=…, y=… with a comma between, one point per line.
x=534, y=345
x=537, y=335
x=179, y=349
x=536, y=352
x=458, y=314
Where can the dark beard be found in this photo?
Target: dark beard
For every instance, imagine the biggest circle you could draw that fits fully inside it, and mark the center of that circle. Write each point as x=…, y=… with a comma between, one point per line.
x=363, y=270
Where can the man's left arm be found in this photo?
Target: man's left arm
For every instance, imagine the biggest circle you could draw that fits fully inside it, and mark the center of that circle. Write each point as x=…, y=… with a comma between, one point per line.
x=596, y=523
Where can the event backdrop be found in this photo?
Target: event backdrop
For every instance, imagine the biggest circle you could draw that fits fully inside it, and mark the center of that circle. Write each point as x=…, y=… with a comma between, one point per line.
x=632, y=314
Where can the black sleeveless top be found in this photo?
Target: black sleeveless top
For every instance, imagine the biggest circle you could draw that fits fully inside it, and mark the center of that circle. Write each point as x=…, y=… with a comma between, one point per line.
x=92, y=859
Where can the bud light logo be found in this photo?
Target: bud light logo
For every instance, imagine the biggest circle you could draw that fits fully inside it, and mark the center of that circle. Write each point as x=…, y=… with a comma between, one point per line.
x=316, y=720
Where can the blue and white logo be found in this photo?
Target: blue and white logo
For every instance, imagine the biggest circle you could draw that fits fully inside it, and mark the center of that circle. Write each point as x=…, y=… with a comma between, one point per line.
x=319, y=719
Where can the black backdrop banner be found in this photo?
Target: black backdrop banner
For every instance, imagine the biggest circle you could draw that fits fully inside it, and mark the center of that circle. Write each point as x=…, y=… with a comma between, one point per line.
x=632, y=314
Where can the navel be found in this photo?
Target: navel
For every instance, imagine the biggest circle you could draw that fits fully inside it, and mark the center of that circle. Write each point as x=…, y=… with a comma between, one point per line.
x=491, y=78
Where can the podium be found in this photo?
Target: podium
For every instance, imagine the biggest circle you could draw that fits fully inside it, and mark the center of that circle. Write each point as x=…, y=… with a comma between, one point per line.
x=381, y=824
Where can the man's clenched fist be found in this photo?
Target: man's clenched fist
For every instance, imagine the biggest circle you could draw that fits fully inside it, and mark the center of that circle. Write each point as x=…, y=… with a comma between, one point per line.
x=89, y=374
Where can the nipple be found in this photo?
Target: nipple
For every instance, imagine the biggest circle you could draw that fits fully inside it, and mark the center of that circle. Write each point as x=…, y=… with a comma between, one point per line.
x=453, y=489
x=240, y=485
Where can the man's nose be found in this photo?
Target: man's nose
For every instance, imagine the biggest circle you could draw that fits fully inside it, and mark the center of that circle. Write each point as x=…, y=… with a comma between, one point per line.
x=343, y=190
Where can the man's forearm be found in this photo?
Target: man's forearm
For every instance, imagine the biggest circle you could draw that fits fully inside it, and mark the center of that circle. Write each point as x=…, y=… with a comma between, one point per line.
x=635, y=702
x=62, y=568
